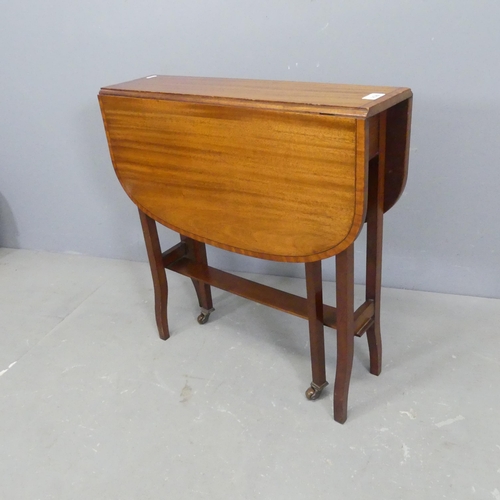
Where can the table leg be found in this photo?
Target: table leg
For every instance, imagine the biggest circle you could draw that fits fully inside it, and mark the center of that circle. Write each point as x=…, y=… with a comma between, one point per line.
x=345, y=331
x=158, y=271
x=374, y=221
x=314, y=285
x=198, y=253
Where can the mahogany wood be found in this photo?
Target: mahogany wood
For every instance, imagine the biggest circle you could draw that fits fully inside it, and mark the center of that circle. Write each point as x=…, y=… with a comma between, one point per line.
x=212, y=131
x=374, y=220
x=257, y=292
x=263, y=294
x=174, y=253
x=198, y=253
x=373, y=136
x=345, y=331
x=314, y=301
x=158, y=271
x=284, y=171
x=363, y=317
x=304, y=97
x=199, y=171
x=397, y=151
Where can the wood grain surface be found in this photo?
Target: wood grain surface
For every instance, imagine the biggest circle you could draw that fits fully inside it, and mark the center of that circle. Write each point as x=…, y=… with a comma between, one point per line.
x=327, y=98
x=397, y=151
x=283, y=171
x=277, y=185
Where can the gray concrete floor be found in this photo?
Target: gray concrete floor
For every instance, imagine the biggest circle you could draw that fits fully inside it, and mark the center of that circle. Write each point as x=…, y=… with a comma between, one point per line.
x=94, y=406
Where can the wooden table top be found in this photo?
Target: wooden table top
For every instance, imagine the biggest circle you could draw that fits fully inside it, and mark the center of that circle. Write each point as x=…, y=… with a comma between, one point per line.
x=359, y=101
x=276, y=170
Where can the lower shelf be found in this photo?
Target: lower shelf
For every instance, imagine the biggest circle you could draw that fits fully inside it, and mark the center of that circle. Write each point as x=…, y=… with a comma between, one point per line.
x=266, y=295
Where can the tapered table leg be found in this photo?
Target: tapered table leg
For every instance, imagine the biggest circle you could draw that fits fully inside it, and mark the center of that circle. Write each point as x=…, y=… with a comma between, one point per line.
x=345, y=331
x=158, y=271
x=314, y=285
x=374, y=221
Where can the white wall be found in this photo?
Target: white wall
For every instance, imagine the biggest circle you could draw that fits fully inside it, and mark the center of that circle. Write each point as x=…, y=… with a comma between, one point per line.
x=57, y=187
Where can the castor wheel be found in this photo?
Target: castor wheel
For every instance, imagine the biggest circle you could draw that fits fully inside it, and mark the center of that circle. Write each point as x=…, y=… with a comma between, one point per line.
x=203, y=318
x=314, y=392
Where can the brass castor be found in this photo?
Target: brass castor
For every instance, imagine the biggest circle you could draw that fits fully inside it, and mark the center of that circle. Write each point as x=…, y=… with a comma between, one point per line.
x=314, y=392
x=203, y=318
